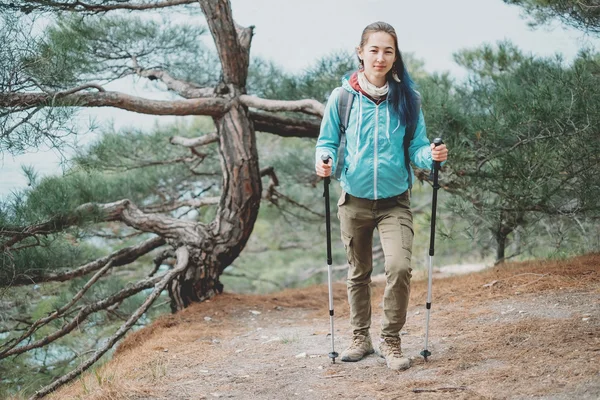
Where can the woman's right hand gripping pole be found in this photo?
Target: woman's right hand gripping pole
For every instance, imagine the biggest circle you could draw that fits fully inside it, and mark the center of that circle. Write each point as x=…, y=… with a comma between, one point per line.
x=323, y=170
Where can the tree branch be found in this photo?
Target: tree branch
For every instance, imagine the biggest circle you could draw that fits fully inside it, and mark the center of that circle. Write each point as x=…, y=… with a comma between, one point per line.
x=122, y=210
x=195, y=142
x=182, y=255
x=521, y=142
x=192, y=203
x=145, y=164
x=84, y=313
x=121, y=257
x=182, y=88
x=285, y=126
x=273, y=181
x=233, y=42
x=308, y=106
x=79, y=6
x=59, y=313
x=278, y=194
x=440, y=389
x=213, y=106
x=23, y=121
x=160, y=259
x=80, y=88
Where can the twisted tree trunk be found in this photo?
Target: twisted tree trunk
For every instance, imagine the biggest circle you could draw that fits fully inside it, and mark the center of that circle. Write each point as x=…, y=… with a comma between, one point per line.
x=227, y=235
x=229, y=232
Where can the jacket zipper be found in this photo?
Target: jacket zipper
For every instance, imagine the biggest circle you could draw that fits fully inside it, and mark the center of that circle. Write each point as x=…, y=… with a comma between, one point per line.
x=376, y=151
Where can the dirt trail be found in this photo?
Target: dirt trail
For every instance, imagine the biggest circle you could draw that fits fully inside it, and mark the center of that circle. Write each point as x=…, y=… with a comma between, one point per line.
x=533, y=331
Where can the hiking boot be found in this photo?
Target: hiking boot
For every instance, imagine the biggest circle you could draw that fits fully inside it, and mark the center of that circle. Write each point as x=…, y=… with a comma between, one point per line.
x=389, y=348
x=361, y=346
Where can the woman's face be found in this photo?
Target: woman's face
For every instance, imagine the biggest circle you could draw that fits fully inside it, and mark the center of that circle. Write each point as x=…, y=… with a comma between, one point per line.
x=378, y=55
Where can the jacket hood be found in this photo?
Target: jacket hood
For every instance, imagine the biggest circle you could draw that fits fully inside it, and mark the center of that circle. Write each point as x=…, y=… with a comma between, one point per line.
x=346, y=83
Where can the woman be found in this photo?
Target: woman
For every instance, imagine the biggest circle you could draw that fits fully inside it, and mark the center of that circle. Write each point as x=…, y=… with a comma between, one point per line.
x=376, y=184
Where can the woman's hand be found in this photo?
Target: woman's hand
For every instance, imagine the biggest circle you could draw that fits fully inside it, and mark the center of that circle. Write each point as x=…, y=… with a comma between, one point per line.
x=439, y=153
x=323, y=170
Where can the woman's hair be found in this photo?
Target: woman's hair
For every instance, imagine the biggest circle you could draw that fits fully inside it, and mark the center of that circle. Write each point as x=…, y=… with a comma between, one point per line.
x=402, y=96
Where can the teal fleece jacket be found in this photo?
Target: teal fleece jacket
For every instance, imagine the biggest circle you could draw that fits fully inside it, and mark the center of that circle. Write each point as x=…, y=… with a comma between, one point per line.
x=374, y=165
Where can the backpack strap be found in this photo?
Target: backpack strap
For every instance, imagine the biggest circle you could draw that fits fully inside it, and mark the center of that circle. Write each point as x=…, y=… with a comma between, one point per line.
x=345, y=100
x=408, y=137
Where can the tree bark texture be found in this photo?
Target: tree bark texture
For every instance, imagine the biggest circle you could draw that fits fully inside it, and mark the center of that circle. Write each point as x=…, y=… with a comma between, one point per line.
x=227, y=235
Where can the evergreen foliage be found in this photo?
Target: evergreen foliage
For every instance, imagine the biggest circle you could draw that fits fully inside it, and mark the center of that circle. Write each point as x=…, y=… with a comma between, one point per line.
x=525, y=141
x=76, y=49
x=579, y=14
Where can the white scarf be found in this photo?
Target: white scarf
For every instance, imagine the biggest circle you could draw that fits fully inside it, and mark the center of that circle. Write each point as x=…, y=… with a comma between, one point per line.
x=372, y=90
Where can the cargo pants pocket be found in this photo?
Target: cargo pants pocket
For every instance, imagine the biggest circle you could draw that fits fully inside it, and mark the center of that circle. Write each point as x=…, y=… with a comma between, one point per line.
x=348, y=246
x=408, y=235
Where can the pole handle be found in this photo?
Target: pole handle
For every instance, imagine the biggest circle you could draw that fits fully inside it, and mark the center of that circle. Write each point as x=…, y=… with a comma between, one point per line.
x=325, y=158
x=436, y=164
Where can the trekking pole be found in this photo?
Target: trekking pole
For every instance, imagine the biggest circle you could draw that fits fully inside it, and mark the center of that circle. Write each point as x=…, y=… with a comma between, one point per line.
x=436, y=167
x=333, y=355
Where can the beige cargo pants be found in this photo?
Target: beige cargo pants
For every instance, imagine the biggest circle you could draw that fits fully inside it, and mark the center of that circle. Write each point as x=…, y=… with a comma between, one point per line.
x=393, y=219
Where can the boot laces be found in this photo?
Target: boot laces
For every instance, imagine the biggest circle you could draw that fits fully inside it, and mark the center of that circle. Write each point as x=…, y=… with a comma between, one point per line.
x=394, y=344
x=358, y=340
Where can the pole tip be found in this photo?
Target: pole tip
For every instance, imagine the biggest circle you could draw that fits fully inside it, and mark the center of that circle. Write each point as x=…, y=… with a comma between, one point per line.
x=333, y=355
x=425, y=353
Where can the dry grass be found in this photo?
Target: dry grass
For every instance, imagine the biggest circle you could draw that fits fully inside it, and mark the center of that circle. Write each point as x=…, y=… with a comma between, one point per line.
x=530, y=353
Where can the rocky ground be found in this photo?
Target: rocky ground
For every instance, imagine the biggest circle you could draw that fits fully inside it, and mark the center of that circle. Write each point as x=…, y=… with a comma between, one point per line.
x=518, y=331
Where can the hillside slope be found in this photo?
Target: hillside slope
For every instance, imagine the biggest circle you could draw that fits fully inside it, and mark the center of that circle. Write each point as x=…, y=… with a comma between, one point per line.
x=523, y=330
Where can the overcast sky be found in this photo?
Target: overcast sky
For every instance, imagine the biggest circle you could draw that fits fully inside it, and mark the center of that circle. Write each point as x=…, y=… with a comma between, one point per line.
x=295, y=33
x=431, y=29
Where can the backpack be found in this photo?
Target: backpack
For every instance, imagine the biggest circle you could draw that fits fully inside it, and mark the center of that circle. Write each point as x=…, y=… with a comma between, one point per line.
x=344, y=106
